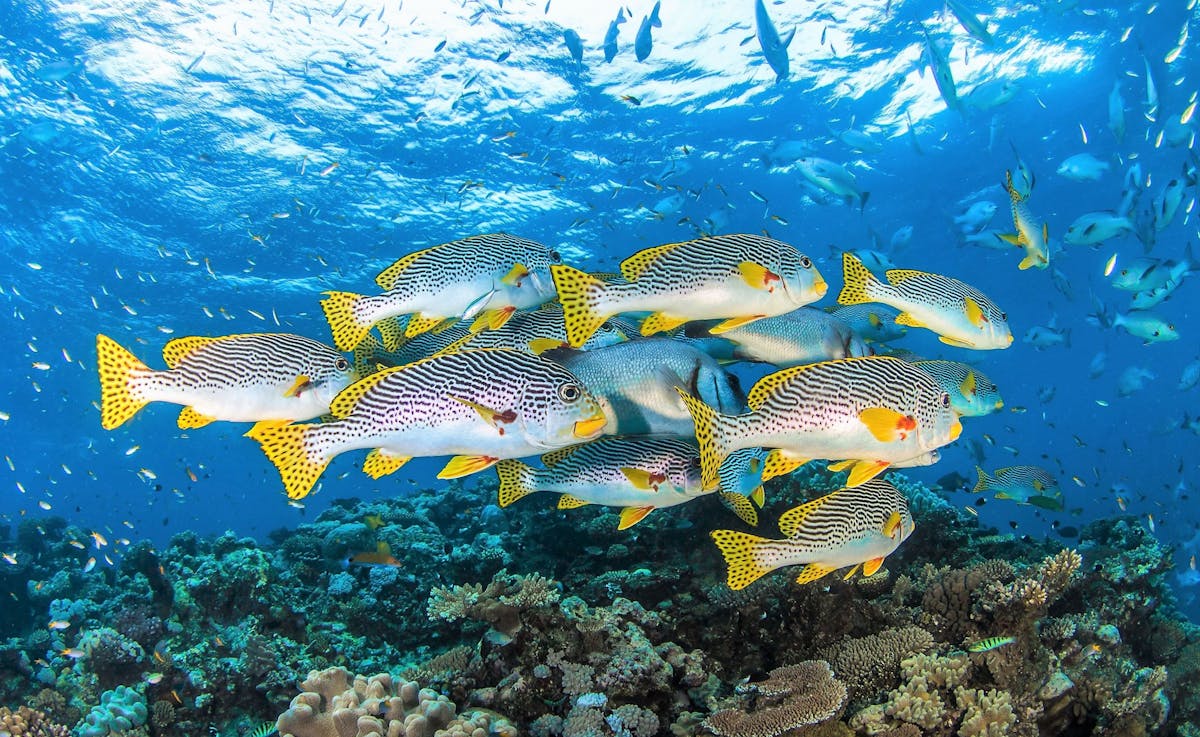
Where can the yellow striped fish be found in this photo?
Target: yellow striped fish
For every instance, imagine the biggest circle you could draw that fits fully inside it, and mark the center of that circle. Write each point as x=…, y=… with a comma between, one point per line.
x=235, y=378
x=972, y=394
x=536, y=331
x=960, y=314
x=849, y=527
x=640, y=474
x=483, y=277
x=482, y=406
x=370, y=355
x=873, y=410
x=1035, y=240
x=735, y=278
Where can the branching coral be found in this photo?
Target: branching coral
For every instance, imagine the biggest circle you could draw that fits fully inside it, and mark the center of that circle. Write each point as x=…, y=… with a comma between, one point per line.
x=792, y=697
x=499, y=604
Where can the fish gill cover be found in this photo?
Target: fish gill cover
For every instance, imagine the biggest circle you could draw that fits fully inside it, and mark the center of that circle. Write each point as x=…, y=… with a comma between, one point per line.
x=1021, y=171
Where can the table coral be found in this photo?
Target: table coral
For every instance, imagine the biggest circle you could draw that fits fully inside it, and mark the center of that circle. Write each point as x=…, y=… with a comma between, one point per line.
x=792, y=697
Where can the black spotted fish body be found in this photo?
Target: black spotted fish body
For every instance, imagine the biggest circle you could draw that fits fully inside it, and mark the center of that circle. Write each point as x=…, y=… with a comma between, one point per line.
x=484, y=277
x=1018, y=483
x=480, y=406
x=849, y=527
x=234, y=378
x=537, y=331
x=640, y=474
x=873, y=410
x=806, y=335
x=735, y=278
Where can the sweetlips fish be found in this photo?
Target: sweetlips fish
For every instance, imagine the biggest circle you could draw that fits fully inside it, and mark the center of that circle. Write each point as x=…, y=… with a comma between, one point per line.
x=876, y=323
x=874, y=410
x=639, y=474
x=1029, y=235
x=960, y=314
x=738, y=278
x=806, y=335
x=482, y=277
x=537, y=331
x=740, y=486
x=1018, y=483
x=849, y=527
x=483, y=405
x=370, y=355
x=234, y=378
x=635, y=384
x=972, y=393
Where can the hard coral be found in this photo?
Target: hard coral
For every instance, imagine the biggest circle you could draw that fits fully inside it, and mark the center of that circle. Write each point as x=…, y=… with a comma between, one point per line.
x=871, y=665
x=500, y=604
x=26, y=722
x=792, y=697
x=336, y=704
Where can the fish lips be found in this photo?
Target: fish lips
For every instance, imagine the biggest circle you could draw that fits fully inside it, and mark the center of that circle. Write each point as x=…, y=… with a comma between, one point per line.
x=590, y=427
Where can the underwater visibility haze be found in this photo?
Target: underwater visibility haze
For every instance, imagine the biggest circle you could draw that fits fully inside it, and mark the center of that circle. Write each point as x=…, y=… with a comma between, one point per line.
x=582, y=369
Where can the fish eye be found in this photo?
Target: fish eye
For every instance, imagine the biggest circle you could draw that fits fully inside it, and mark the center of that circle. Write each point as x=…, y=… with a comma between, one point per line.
x=555, y=257
x=1124, y=272
x=945, y=399
x=568, y=392
x=805, y=262
x=1003, y=315
x=341, y=364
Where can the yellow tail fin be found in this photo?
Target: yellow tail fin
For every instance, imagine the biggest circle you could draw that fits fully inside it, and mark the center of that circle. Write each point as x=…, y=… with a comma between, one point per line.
x=514, y=481
x=284, y=446
x=739, y=550
x=859, y=282
x=578, y=292
x=339, y=311
x=709, y=436
x=117, y=370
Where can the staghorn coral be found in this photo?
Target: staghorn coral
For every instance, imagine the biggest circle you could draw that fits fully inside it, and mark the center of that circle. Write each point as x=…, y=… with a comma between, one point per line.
x=870, y=665
x=334, y=703
x=27, y=722
x=792, y=697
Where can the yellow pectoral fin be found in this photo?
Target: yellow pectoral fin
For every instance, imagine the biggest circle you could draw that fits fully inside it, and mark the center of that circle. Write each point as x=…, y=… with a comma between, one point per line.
x=567, y=501
x=733, y=322
x=489, y=415
x=905, y=318
x=757, y=275
x=892, y=525
x=1027, y=263
x=955, y=342
x=492, y=319
x=460, y=466
x=871, y=567
x=758, y=496
x=864, y=471
x=538, y=346
x=887, y=425
x=740, y=506
x=1011, y=238
x=642, y=480
x=779, y=464
x=301, y=383
x=190, y=418
x=661, y=323
x=515, y=275
x=967, y=387
x=813, y=572
x=379, y=464
x=630, y=516
x=974, y=312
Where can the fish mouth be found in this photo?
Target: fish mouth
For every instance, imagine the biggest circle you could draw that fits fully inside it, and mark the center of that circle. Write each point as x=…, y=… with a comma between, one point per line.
x=955, y=430
x=591, y=426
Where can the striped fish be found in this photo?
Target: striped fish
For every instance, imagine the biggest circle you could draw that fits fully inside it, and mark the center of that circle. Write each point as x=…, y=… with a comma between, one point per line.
x=849, y=527
x=1018, y=483
x=636, y=384
x=874, y=322
x=990, y=643
x=370, y=355
x=536, y=331
x=873, y=410
x=1035, y=240
x=482, y=405
x=734, y=278
x=235, y=378
x=960, y=314
x=806, y=335
x=972, y=394
x=483, y=277
x=640, y=474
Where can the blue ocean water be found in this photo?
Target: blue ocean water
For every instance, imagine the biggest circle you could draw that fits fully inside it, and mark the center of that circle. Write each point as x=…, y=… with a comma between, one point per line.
x=171, y=169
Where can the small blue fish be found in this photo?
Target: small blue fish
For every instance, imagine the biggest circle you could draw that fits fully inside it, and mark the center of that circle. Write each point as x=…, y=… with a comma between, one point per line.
x=574, y=44
x=610, y=38
x=644, y=42
x=774, y=48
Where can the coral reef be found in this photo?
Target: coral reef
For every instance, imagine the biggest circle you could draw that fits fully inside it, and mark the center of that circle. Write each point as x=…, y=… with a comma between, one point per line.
x=27, y=722
x=570, y=628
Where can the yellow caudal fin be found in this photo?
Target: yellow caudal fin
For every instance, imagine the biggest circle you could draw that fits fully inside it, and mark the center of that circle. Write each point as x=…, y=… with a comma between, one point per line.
x=740, y=552
x=190, y=419
x=365, y=355
x=630, y=516
x=118, y=369
x=460, y=466
x=578, y=292
x=860, y=285
x=709, y=436
x=514, y=481
x=379, y=464
x=740, y=506
x=284, y=445
x=984, y=482
x=339, y=312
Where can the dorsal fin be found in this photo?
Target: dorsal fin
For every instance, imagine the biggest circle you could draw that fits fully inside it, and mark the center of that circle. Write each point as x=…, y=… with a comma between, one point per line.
x=387, y=278
x=791, y=520
x=180, y=348
x=898, y=276
x=344, y=402
x=635, y=265
x=768, y=384
x=554, y=456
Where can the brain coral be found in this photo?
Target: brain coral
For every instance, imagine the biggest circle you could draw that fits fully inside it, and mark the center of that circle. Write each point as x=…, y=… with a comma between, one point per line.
x=870, y=665
x=336, y=704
